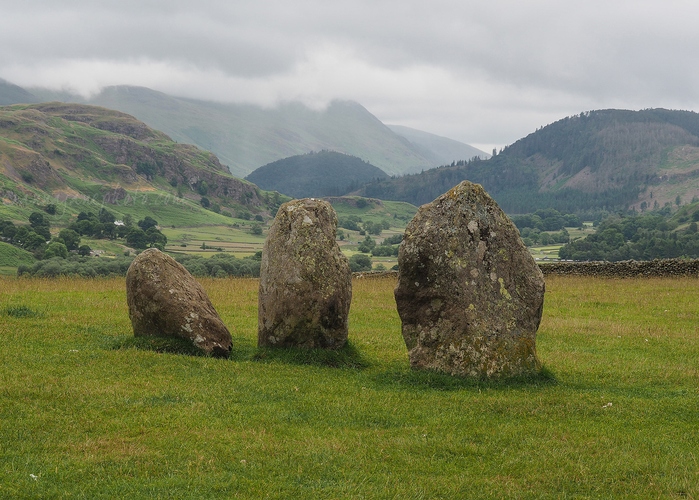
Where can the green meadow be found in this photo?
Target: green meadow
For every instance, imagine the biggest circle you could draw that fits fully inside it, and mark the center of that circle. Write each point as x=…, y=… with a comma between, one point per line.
x=86, y=412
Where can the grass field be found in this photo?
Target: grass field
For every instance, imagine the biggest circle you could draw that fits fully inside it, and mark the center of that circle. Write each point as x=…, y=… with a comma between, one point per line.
x=615, y=415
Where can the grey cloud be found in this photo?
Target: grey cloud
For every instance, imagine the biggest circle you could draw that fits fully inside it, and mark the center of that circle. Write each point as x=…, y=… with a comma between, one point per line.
x=486, y=72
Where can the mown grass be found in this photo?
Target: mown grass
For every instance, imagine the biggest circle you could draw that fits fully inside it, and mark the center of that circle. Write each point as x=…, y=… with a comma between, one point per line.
x=83, y=415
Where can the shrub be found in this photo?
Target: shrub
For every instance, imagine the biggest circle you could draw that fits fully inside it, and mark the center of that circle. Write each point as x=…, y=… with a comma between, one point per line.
x=56, y=249
x=360, y=262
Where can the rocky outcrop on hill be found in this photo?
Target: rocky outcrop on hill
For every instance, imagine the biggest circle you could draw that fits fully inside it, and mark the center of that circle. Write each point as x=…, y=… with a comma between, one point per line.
x=49, y=146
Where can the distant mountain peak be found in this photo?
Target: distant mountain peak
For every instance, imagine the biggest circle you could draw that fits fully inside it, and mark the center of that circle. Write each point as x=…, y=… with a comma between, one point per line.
x=441, y=149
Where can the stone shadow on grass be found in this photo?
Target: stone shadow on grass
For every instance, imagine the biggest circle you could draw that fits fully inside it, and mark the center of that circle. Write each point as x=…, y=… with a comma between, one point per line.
x=424, y=380
x=169, y=345
x=345, y=357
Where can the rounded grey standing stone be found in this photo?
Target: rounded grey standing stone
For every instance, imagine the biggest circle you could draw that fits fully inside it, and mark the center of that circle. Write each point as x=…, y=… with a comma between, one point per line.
x=305, y=280
x=165, y=300
x=470, y=296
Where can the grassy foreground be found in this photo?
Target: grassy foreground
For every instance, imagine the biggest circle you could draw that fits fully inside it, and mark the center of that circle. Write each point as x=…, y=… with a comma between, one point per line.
x=616, y=415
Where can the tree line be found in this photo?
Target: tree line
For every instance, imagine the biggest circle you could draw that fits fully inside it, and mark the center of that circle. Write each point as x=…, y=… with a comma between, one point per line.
x=637, y=237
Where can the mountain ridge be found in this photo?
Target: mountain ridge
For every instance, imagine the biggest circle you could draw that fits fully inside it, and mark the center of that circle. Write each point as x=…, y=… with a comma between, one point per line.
x=441, y=149
x=246, y=136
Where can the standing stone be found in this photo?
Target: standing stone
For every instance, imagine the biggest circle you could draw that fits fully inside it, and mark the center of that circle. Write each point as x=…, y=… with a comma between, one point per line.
x=305, y=280
x=166, y=301
x=469, y=294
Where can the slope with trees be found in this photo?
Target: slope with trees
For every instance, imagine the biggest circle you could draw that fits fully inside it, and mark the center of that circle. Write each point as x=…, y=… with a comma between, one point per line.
x=608, y=159
x=654, y=235
x=324, y=173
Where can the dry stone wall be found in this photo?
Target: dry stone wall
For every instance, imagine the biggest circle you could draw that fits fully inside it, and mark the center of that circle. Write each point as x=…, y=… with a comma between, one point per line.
x=624, y=269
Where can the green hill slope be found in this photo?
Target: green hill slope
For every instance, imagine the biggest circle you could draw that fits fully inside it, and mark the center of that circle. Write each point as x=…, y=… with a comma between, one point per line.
x=326, y=173
x=612, y=159
x=12, y=257
x=79, y=154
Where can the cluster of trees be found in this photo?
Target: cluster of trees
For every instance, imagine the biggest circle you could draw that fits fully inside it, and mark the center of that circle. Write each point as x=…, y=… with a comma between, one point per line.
x=355, y=223
x=359, y=263
x=103, y=225
x=534, y=237
x=547, y=219
x=36, y=238
x=640, y=237
x=219, y=266
x=75, y=265
x=387, y=248
x=536, y=228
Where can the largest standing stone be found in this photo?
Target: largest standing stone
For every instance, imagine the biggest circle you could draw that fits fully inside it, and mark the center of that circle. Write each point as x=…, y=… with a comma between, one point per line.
x=469, y=294
x=305, y=280
x=165, y=300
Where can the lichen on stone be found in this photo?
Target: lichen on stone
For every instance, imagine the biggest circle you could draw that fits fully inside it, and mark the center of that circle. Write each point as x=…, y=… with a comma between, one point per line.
x=463, y=253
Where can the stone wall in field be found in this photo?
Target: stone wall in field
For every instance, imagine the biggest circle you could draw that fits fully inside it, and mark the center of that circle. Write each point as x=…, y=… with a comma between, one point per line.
x=624, y=269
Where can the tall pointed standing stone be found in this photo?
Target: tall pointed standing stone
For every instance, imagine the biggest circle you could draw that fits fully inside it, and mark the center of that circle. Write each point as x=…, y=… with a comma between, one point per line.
x=305, y=280
x=469, y=294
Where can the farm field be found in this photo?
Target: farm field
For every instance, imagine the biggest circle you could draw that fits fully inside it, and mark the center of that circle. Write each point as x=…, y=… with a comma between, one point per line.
x=613, y=415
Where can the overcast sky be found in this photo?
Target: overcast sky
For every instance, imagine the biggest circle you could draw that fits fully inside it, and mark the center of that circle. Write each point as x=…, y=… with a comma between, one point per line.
x=484, y=72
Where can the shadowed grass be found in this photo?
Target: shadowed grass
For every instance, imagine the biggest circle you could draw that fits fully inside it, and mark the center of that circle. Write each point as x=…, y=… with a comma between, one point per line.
x=170, y=345
x=345, y=357
x=433, y=380
x=21, y=311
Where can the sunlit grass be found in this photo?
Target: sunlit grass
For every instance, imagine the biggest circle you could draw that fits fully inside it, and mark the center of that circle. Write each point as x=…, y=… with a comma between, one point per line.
x=86, y=413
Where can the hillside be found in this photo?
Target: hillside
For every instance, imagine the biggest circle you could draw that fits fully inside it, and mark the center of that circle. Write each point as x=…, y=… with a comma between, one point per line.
x=12, y=94
x=607, y=159
x=325, y=173
x=67, y=152
x=246, y=137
